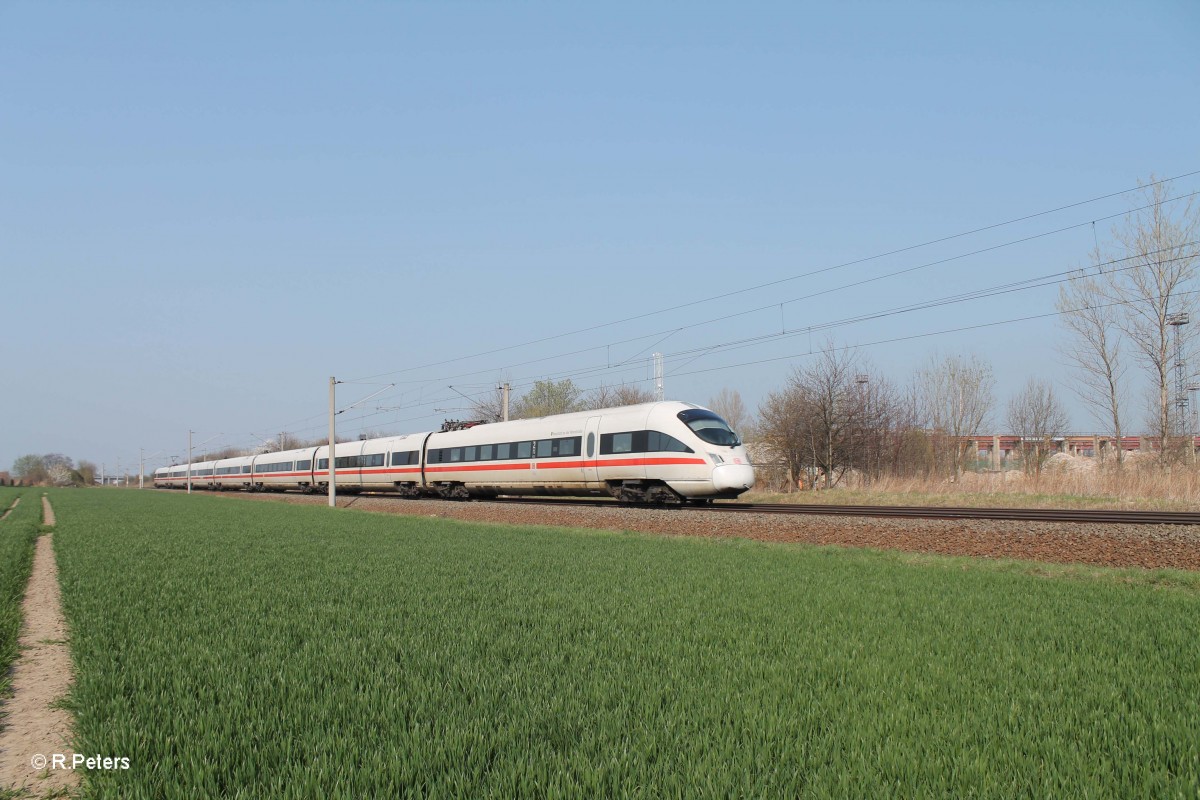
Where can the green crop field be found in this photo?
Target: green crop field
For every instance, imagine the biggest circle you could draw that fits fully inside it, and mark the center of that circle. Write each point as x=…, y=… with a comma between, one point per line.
x=235, y=649
x=18, y=533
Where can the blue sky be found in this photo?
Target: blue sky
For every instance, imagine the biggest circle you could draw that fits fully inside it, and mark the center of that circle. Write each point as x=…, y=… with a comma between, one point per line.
x=207, y=210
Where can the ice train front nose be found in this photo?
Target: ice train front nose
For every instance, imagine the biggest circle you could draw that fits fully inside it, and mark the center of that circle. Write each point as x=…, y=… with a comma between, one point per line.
x=733, y=477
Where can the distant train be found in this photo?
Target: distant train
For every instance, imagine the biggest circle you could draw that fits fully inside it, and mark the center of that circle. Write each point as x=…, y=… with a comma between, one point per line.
x=664, y=452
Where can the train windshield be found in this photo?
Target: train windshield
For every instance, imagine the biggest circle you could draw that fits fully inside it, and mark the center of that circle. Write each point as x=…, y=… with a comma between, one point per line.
x=709, y=427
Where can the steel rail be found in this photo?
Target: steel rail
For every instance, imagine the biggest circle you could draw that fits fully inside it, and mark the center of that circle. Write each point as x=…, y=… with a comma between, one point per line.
x=1077, y=515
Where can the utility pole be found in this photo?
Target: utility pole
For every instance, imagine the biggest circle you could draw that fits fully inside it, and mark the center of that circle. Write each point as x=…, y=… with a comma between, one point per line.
x=658, y=376
x=142, y=464
x=505, y=392
x=189, y=468
x=281, y=441
x=332, y=445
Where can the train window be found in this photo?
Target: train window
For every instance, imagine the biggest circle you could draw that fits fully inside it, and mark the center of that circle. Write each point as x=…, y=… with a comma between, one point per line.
x=611, y=443
x=322, y=463
x=485, y=452
x=402, y=459
x=456, y=453
x=524, y=449
x=662, y=443
x=304, y=465
x=504, y=451
x=373, y=460
x=545, y=448
x=470, y=453
x=591, y=445
x=709, y=427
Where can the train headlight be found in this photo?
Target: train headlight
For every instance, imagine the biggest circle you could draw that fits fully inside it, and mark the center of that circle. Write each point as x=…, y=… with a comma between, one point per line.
x=716, y=459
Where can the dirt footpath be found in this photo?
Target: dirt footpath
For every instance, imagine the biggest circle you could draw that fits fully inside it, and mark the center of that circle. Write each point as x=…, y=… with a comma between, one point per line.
x=10, y=508
x=33, y=727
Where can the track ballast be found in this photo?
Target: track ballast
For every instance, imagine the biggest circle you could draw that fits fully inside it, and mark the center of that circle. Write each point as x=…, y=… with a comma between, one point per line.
x=1094, y=516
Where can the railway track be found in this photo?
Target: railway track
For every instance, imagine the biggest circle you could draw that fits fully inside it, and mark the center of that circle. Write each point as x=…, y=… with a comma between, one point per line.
x=1078, y=515
x=1094, y=516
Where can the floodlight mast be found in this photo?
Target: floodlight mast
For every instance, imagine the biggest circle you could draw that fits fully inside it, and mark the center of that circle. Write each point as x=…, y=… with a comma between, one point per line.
x=332, y=444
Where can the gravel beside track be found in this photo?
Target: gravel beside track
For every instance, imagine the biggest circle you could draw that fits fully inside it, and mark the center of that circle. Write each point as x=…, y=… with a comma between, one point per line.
x=1146, y=546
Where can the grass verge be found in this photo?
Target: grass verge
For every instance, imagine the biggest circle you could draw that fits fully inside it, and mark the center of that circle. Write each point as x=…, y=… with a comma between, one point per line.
x=253, y=650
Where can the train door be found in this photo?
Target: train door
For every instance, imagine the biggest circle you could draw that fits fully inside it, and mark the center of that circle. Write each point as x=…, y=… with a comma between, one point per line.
x=591, y=450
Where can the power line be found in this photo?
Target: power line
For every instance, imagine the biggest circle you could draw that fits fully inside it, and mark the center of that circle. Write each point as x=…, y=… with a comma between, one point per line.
x=791, y=278
x=699, y=352
x=853, y=284
x=664, y=334
x=694, y=353
x=892, y=340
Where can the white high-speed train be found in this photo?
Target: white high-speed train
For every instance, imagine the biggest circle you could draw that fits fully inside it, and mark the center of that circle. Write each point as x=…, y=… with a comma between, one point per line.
x=660, y=452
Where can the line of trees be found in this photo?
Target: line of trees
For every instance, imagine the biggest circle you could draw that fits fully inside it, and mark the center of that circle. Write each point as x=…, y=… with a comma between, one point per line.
x=53, y=469
x=838, y=414
x=1133, y=308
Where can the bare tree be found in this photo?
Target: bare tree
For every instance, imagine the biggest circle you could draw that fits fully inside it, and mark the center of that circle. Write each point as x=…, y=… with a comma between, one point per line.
x=883, y=418
x=1157, y=245
x=782, y=430
x=957, y=399
x=811, y=424
x=1095, y=349
x=1037, y=417
x=728, y=403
